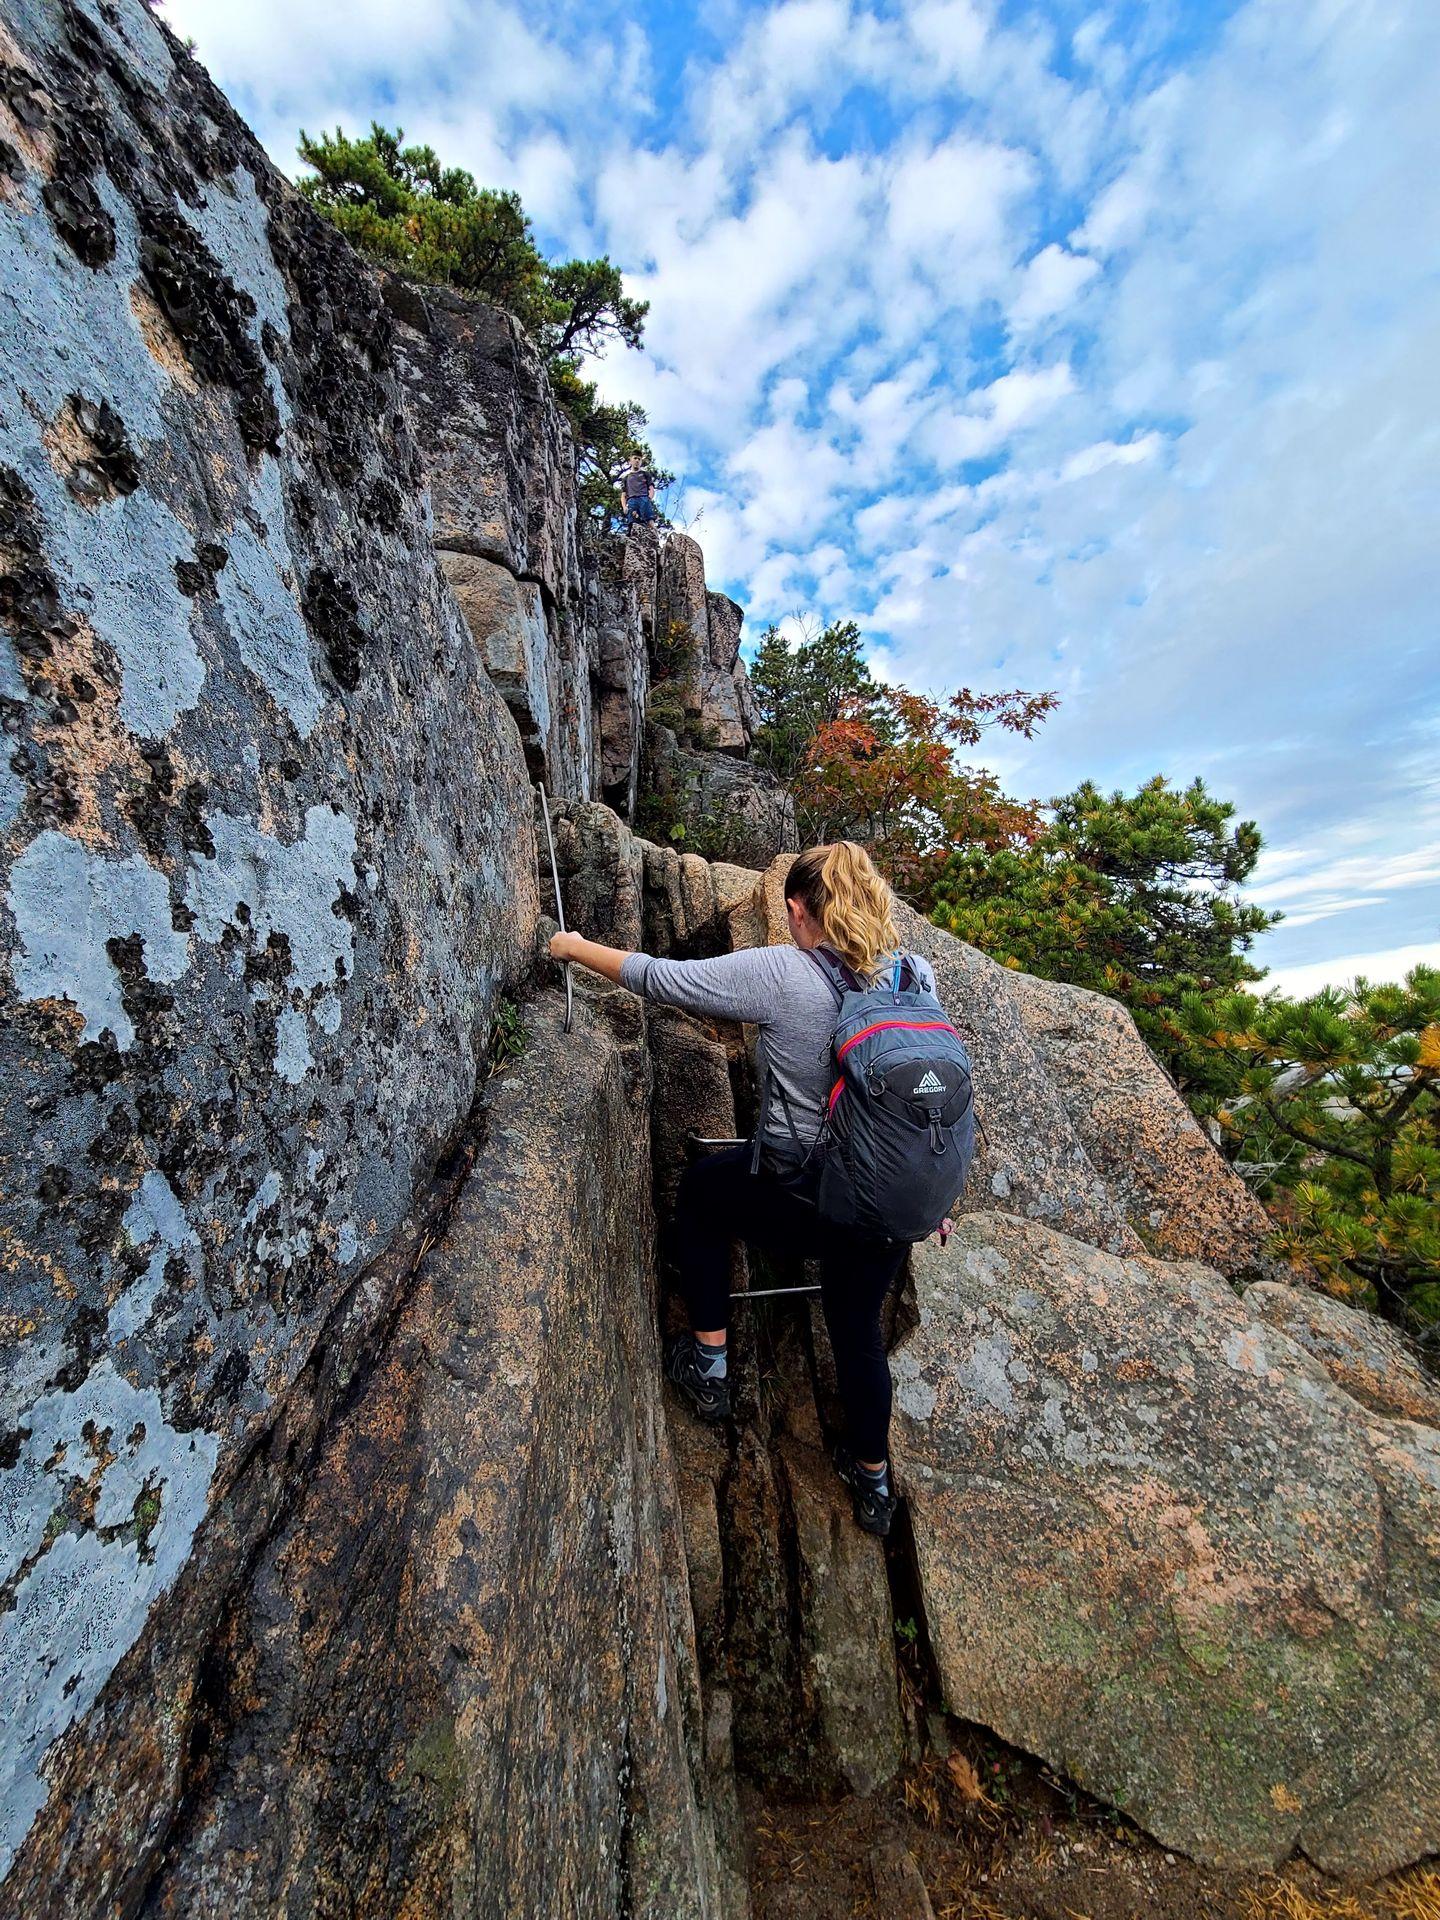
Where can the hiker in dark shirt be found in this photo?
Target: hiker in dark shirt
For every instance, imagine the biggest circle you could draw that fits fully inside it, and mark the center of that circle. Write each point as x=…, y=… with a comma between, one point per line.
x=637, y=491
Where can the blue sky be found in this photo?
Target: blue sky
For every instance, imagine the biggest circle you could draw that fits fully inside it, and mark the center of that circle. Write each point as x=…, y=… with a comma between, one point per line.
x=1094, y=348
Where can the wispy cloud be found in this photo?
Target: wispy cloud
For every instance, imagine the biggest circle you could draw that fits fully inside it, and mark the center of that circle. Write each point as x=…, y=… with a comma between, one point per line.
x=1060, y=353
x=1389, y=963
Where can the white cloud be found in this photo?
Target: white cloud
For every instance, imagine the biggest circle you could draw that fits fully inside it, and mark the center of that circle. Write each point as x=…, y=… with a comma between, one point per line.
x=1110, y=453
x=273, y=45
x=785, y=55
x=413, y=63
x=1176, y=292
x=994, y=414
x=1387, y=965
x=951, y=36
x=1417, y=867
x=1049, y=285
x=953, y=213
x=1117, y=216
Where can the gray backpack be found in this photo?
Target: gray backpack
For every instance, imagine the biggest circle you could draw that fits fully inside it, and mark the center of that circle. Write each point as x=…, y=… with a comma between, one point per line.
x=900, y=1129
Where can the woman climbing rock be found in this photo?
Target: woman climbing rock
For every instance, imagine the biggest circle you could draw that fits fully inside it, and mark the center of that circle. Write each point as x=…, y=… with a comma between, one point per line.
x=863, y=1140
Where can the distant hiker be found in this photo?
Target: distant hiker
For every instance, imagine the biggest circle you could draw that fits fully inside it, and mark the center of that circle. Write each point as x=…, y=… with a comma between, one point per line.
x=637, y=491
x=842, y=1012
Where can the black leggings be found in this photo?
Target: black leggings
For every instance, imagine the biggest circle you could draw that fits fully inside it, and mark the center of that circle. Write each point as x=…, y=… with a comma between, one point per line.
x=720, y=1200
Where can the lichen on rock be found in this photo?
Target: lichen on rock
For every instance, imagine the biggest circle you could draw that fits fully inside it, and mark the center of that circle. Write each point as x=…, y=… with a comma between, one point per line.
x=267, y=861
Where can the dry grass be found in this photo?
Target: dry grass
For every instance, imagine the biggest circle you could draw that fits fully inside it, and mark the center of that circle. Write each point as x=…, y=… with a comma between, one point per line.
x=1415, y=1896
x=922, y=1798
x=1284, y=1901
x=1412, y=1896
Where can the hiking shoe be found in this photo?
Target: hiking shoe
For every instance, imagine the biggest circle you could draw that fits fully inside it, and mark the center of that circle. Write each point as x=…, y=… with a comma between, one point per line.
x=873, y=1504
x=709, y=1397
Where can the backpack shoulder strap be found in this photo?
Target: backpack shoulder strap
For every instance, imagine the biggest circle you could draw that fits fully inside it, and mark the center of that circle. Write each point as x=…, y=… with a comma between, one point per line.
x=840, y=978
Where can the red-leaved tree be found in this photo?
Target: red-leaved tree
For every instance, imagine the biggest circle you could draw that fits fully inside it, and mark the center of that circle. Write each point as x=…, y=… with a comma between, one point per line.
x=884, y=771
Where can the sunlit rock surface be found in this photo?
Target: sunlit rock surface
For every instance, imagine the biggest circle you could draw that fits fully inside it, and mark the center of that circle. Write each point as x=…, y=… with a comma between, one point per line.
x=1160, y=1547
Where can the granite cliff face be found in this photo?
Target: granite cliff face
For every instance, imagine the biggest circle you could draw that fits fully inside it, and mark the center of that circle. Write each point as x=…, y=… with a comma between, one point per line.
x=605, y=650
x=351, y=1560
x=268, y=861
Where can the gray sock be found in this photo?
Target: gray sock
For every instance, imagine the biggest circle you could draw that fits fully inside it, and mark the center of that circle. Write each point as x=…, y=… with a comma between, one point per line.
x=879, y=1479
x=711, y=1359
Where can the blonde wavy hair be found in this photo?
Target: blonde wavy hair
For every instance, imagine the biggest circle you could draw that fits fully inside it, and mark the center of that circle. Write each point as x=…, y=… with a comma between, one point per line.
x=841, y=889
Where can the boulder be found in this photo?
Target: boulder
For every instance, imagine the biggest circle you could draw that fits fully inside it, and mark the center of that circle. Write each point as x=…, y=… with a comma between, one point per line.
x=682, y=618
x=745, y=695
x=640, y=570
x=731, y=810
x=622, y=671
x=602, y=874
x=723, y=620
x=721, y=725
x=665, y=916
x=499, y=453
x=506, y=618
x=734, y=886
x=574, y=639
x=697, y=893
x=726, y=709
x=267, y=865
x=1372, y=1362
x=1174, y=1189
x=1161, y=1549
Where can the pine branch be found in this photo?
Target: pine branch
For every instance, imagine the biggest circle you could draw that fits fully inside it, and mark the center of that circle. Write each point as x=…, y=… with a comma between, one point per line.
x=1402, y=1102
x=1316, y=1145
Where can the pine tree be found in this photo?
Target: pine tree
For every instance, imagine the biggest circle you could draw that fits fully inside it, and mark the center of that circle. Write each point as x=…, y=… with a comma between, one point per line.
x=1335, y=1116
x=1134, y=895
x=799, y=689
x=399, y=205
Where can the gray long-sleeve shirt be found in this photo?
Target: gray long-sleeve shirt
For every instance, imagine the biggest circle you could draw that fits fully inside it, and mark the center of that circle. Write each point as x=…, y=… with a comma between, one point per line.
x=778, y=990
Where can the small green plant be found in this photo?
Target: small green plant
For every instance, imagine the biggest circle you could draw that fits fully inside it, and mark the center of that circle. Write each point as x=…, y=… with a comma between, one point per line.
x=906, y=1632
x=146, y=1514
x=665, y=708
x=672, y=649
x=507, y=1035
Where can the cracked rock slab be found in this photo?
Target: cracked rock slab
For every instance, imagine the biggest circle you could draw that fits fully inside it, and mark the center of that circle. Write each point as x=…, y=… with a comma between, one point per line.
x=1161, y=1549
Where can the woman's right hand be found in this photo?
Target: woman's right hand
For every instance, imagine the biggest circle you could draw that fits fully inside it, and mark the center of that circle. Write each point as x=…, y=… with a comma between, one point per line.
x=563, y=946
